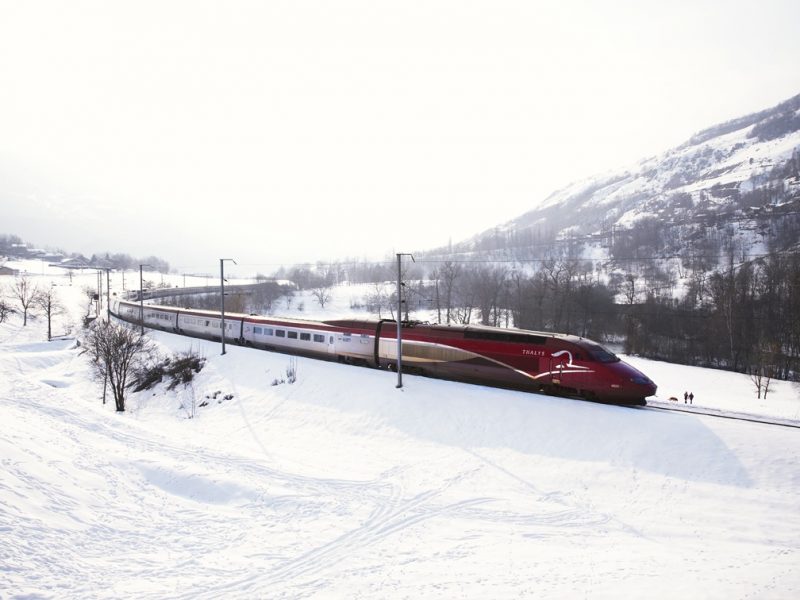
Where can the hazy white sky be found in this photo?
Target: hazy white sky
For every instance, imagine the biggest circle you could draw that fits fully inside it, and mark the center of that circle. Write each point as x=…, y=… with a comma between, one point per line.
x=272, y=131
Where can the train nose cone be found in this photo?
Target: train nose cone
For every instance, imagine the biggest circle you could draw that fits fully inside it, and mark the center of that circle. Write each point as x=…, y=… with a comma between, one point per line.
x=648, y=387
x=641, y=381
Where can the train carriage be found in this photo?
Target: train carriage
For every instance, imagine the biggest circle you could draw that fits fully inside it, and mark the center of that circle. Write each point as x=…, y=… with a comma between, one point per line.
x=546, y=362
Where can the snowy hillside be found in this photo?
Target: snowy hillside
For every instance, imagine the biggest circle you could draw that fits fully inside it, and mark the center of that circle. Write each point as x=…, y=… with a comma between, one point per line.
x=342, y=486
x=740, y=177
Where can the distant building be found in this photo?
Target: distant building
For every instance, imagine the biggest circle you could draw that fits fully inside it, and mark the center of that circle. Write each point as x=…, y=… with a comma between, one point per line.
x=73, y=263
x=19, y=250
x=8, y=271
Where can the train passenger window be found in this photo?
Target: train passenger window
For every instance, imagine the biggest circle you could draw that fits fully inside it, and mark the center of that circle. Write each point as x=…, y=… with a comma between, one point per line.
x=292, y=335
x=257, y=330
x=280, y=333
x=306, y=337
x=330, y=340
x=319, y=338
x=268, y=331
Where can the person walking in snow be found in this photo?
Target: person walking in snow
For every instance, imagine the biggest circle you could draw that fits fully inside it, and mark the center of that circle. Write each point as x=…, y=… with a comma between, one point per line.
x=691, y=397
x=685, y=397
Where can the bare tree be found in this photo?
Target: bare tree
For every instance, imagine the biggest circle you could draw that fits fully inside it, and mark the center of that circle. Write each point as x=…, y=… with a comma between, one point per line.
x=761, y=377
x=5, y=307
x=437, y=299
x=25, y=292
x=449, y=273
x=48, y=302
x=265, y=294
x=117, y=352
x=91, y=296
x=322, y=294
x=488, y=282
x=380, y=300
x=289, y=297
x=628, y=289
x=763, y=370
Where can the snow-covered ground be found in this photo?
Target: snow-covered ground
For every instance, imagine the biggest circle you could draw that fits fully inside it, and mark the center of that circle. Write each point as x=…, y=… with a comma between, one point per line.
x=342, y=486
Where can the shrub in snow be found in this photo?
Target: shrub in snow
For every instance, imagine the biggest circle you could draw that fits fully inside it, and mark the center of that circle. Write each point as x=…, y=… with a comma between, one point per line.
x=147, y=376
x=210, y=397
x=291, y=373
x=5, y=310
x=179, y=370
x=183, y=367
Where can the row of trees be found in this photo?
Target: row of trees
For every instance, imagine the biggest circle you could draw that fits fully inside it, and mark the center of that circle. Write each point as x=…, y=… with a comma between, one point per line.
x=261, y=298
x=126, y=262
x=746, y=318
x=557, y=295
x=26, y=297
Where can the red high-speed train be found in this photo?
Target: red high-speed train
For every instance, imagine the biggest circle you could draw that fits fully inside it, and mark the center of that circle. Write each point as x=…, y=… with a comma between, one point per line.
x=552, y=363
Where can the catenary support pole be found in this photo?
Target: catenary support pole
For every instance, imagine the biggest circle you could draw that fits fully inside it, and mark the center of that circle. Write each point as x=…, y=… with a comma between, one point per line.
x=399, y=316
x=108, y=294
x=399, y=325
x=141, y=297
x=222, y=298
x=141, y=300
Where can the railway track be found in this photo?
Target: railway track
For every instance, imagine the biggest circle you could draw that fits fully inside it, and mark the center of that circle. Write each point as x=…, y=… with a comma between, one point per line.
x=721, y=414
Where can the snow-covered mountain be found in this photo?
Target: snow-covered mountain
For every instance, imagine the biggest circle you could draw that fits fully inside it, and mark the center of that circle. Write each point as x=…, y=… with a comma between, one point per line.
x=741, y=177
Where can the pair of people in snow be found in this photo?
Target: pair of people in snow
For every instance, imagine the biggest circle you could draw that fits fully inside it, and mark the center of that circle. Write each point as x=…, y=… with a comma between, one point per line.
x=688, y=397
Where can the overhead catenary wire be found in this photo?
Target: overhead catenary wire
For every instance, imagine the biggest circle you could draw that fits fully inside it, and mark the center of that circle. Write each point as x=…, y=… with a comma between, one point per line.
x=520, y=261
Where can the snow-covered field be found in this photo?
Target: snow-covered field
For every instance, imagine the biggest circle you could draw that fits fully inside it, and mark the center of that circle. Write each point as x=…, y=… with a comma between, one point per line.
x=342, y=486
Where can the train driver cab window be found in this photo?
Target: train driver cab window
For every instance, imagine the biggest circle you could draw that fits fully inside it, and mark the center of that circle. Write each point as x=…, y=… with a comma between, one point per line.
x=602, y=355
